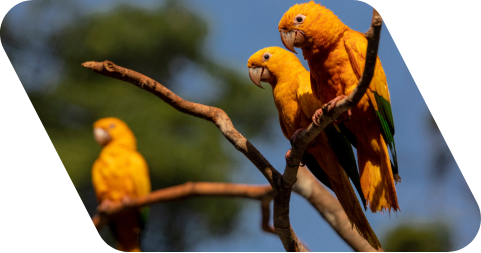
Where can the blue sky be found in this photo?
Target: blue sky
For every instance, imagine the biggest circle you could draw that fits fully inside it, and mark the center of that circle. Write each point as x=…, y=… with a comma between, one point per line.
x=240, y=28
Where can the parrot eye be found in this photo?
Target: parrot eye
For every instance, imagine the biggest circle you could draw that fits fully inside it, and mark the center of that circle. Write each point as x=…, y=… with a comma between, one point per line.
x=112, y=126
x=299, y=19
x=266, y=57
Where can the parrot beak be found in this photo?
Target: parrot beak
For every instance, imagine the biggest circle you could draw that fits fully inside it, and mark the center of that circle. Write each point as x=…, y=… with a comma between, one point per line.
x=101, y=136
x=255, y=74
x=293, y=39
x=288, y=39
x=259, y=74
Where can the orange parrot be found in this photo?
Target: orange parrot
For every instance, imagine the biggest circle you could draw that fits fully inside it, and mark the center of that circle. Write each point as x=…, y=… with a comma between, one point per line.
x=330, y=156
x=336, y=57
x=118, y=174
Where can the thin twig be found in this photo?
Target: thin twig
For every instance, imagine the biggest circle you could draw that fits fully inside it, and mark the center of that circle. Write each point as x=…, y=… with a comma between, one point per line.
x=266, y=214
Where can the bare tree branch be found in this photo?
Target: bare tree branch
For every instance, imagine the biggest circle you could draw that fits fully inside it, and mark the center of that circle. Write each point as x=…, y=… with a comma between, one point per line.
x=187, y=190
x=282, y=184
x=212, y=114
x=224, y=123
x=266, y=214
x=306, y=186
x=330, y=209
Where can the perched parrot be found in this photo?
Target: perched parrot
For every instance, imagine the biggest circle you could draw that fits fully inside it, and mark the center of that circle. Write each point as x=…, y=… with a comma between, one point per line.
x=336, y=57
x=118, y=174
x=330, y=156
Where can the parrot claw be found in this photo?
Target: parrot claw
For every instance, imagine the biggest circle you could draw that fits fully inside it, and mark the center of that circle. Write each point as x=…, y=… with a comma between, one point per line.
x=289, y=159
x=397, y=178
x=328, y=107
x=105, y=206
x=294, y=138
x=317, y=116
x=343, y=116
x=126, y=200
x=288, y=156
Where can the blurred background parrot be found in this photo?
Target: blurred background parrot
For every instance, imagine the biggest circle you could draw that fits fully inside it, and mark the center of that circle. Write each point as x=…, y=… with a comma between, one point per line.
x=118, y=174
x=330, y=156
x=336, y=57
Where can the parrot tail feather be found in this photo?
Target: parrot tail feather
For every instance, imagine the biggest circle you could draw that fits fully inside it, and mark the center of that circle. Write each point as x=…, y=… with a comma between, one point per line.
x=346, y=196
x=377, y=181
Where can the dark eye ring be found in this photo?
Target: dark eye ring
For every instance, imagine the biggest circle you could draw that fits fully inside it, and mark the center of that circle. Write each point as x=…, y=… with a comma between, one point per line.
x=299, y=19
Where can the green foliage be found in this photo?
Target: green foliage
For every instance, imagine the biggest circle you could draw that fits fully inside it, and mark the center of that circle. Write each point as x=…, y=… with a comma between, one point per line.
x=433, y=237
x=134, y=38
x=162, y=43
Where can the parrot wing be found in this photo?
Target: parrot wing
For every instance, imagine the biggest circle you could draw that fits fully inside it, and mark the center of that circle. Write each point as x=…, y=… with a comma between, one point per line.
x=316, y=169
x=378, y=93
x=98, y=181
x=283, y=127
x=343, y=150
x=337, y=141
x=140, y=174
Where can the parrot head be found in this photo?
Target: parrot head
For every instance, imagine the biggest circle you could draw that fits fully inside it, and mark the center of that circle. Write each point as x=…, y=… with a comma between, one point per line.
x=309, y=24
x=269, y=65
x=113, y=130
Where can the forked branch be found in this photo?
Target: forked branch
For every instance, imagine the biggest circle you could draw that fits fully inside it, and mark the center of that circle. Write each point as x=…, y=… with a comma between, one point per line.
x=282, y=184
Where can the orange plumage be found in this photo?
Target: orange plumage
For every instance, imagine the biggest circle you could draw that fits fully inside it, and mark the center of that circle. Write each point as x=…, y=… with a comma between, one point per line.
x=120, y=173
x=336, y=56
x=296, y=104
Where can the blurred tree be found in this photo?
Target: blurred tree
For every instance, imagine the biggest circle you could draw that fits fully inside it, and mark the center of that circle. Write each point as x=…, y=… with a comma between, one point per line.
x=46, y=46
x=417, y=237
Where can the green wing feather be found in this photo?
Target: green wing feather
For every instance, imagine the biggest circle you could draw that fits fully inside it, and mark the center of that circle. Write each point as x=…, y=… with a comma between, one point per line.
x=343, y=150
x=316, y=169
x=144, y=216
x=356, y=45
x=385, y=117
x=348, y=134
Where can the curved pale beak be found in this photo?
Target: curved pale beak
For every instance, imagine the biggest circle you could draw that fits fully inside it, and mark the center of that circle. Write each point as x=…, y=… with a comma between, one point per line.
x=255, y=75
x=101, y=136
x=293, y=39
x=260, y=74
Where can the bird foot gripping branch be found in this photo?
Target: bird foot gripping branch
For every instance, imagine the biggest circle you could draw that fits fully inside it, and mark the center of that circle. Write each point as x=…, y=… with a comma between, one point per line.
x=327, y=108
x=105, y=207
x=288, y=157
x=294, y=140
